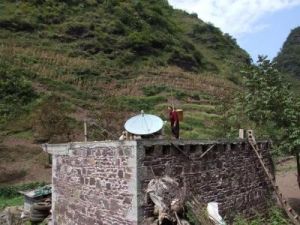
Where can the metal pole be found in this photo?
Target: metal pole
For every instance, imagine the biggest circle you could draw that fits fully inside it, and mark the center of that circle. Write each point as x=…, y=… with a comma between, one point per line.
x=85, y=131
x=241, y=134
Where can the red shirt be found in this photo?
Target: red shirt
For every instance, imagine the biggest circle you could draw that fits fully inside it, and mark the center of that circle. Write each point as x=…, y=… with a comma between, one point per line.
x=173, y=117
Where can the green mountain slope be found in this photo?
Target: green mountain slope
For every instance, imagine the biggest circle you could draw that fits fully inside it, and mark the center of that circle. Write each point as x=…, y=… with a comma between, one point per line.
x=288, y=59
x=118, y=33
x=103, y=61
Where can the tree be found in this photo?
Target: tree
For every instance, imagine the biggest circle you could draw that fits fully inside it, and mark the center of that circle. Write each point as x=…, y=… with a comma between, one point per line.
x=270, y=103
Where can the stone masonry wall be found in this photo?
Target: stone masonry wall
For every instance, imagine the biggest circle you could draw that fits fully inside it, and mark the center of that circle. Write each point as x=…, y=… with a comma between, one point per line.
x=95, y=184
x=229, y=174
x=104, y=183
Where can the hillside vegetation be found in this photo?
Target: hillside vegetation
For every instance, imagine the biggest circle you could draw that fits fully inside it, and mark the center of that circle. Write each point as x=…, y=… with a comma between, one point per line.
x=288, y=59
x=103, y=61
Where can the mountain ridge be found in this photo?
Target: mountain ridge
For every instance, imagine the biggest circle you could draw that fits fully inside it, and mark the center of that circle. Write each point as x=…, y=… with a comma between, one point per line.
x=288, y=59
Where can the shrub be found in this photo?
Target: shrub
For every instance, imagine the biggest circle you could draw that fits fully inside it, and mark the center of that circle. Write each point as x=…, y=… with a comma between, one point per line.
x=128, y=18
x=194, y=15
x=13, y=191
x=51, y=14
x=91, y=47
x=14, y=87
x=199, y=29
x=154, y=90
x=276, y=216
x=77, y=29
x=116, y=27
x=155, y=14
x=127, y=57
x=139, y=41
x=180, y=95
x=69, y=2
x=15, y=91
x=183, y=60
x=50, y=122
x=17, y=24
x=5, y=202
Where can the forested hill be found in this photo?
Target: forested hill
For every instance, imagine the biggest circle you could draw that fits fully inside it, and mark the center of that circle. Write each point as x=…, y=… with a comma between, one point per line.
x=288, y=59
x=63, y=62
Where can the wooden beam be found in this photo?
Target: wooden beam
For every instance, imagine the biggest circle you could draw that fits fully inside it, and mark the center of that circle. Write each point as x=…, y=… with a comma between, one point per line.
x=298, y=167
x=210, y=148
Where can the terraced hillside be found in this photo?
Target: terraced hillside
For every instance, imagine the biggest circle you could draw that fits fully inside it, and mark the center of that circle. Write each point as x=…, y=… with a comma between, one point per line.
x=103, y=61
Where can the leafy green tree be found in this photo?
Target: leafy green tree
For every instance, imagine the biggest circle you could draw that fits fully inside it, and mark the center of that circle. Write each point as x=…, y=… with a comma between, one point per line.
x=270, y=103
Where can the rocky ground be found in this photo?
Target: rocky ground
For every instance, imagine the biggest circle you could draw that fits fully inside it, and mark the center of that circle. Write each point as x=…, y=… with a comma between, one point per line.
x=11, y=216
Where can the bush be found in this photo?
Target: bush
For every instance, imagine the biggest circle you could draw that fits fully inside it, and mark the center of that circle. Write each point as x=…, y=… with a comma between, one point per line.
x=116, y=27
x=15, y=91
x=51, y=123
x=91, y=47
x=128, y=18
x=13, y=191
x=275, y=217
x=146, y=42
x=5, y=202
x=78, y=30
x=180, y=95
x=156, y=14
x=17, y=24
x=68, y=2
x=51, y=14
x=154, y=90
x=183, y=60
x=127, y=57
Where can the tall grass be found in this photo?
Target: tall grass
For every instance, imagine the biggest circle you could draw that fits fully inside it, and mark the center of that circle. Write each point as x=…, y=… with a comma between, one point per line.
x=275, y=217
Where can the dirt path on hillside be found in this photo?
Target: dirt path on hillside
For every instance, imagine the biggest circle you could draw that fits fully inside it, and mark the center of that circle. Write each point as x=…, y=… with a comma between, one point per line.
x=286, y=177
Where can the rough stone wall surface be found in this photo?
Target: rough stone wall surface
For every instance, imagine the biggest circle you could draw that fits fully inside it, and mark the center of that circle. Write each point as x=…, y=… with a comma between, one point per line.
x=95, y=184
x=104, y=183
x=229, y=174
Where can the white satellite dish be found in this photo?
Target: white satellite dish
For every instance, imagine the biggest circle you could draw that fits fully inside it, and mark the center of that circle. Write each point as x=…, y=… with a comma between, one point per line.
x=143, y=124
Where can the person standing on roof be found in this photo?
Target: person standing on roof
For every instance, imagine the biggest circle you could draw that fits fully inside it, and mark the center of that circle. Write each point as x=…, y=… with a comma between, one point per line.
x=174, y=119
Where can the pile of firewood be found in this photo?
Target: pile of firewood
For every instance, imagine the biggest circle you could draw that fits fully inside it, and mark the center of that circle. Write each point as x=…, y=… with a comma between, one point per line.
x=169, y=199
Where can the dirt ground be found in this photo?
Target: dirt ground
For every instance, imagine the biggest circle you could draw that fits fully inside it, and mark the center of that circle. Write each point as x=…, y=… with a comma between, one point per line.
x=286, y=177
x=22, y=162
